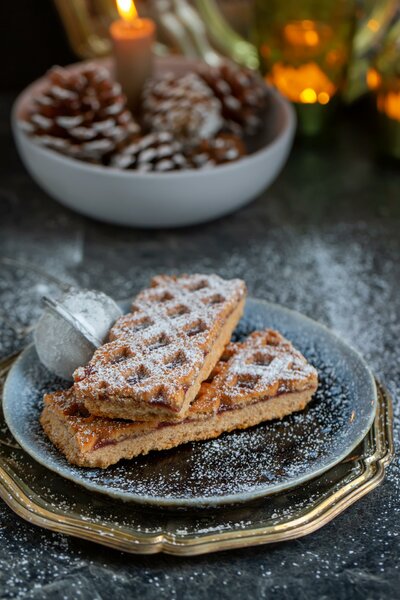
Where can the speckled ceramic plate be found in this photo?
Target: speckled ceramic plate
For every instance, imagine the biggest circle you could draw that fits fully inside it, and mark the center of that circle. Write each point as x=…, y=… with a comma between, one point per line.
x=239, y=466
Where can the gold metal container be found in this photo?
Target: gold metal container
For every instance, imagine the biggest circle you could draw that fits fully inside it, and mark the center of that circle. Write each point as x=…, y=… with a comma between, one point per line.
x=305, y=48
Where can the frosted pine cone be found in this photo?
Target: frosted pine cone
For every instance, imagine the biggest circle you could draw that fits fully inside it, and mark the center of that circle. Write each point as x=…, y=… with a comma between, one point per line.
x=224, y=148
x=82, y=114
x=157, y=151
x=184, y=106
x=242, y=94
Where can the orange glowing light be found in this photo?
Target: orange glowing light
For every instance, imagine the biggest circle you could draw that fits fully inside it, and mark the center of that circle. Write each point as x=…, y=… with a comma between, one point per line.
x=373, y=25
x=389, y=104
x=127, y=10
x=308, y=96
x=323, y=97
x=311, y=38
x=373, y=79
x=306, y=33
x=307, y=84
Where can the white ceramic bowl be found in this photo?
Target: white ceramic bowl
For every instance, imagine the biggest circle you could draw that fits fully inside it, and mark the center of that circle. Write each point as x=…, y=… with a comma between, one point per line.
x=159, y=199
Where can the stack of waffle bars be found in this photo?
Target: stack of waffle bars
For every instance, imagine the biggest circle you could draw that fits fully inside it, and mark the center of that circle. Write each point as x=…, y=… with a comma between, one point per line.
x=170, y=375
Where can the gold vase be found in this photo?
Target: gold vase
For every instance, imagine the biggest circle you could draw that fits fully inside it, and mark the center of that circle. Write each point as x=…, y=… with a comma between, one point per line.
x=86, y=23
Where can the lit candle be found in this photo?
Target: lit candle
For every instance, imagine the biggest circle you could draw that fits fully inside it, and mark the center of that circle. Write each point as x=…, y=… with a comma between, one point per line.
x=133, y=40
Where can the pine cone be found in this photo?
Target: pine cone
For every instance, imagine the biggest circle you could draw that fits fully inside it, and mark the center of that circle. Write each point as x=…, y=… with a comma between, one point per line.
x=224, y=148
x=183, y=106
x=242, y=94
x=81, y=114
x=157, y=151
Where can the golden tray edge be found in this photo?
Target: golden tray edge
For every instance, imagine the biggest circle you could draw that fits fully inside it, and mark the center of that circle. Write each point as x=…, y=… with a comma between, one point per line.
x=29, y=506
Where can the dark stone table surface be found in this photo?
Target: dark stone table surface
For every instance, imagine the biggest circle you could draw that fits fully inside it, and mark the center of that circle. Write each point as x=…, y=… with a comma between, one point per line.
x=324, y=240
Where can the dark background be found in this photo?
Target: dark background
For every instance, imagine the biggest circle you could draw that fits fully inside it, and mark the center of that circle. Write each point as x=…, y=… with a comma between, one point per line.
x=32, y=39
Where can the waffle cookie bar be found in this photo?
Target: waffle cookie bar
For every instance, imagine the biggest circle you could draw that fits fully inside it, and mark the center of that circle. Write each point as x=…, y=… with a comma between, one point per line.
x=160, y=353
x=261, y=379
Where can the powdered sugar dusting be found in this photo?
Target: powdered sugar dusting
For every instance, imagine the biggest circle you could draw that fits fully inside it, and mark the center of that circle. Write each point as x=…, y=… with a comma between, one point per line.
x=236, y=463
x=158, y=349
x=266, y=365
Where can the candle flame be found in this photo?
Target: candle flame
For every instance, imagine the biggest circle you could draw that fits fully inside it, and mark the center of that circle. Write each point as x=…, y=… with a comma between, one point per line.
x=127, y=10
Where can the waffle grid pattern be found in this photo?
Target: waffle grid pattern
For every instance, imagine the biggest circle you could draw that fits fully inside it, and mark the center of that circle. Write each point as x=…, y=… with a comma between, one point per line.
x=286, y=371
x=156, y=351
x=263, y=366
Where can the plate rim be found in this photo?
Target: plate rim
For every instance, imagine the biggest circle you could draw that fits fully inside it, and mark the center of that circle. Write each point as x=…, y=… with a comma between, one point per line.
x=210, y=501
x=373, y=472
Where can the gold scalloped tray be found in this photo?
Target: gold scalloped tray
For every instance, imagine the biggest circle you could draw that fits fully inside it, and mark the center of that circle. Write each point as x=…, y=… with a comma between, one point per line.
x=45, y=499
